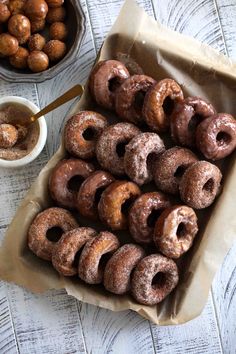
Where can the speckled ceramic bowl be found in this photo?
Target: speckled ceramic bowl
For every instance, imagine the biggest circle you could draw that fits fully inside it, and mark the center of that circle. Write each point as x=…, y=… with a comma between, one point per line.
x=76, y=24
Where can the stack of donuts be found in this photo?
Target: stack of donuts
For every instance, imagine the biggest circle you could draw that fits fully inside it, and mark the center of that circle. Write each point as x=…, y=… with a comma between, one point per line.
x=117, y=164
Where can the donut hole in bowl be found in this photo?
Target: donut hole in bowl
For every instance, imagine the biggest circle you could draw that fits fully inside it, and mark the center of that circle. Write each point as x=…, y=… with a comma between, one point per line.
x=181, y=230
x=159, y=280
x=194, y=121
x=223, y=138
x=120, y=148
x=74, y=183
x=180, y=171
x=139, y=100
x=209, y=185
x=89, y=134
x=113, y=84
x=153, y=216
x=168, y=105
x=54, y=234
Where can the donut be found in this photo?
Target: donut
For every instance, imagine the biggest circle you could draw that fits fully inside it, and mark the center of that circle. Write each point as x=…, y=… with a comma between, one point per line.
x=143, y=214
x=66, y=250
x=170, y=166
x=105, y=78
x=159, y=103
x=175, y=230
x=140, y=154
x=216, y=136
x=81, y=133
x=154, y=277
x=185, y=118
x=115, y=202
x=200, y=184
x=111, y=145
x=90, y=192
x=8, y=136
x=118, y=269
x=91, y=262
x=130, y=95
x=64, y=180
x=48, y=219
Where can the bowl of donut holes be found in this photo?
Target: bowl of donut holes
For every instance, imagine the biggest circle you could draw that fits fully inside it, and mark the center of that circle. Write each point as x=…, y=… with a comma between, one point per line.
x=39, y=38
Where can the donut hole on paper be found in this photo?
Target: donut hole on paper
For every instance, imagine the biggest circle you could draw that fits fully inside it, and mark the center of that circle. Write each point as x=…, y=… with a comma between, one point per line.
x=223, y=138
x=54, y=234
x=181, y=230
x=153, y=216
x=74, y=183
x=209, y=186
x=159, y=280
x=89, y=134
x=168, y=105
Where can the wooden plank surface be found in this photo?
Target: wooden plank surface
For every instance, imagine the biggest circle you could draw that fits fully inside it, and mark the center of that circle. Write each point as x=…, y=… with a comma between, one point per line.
x=56, y=323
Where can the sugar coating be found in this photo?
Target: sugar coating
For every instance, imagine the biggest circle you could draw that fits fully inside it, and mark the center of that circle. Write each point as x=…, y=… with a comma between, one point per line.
x=8, y=136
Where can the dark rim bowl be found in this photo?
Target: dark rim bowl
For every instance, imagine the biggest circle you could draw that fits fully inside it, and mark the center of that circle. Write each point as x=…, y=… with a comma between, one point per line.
x=76, y=23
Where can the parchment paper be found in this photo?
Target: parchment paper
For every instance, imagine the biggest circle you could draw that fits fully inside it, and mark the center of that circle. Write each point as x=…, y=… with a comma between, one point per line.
x=200, y=71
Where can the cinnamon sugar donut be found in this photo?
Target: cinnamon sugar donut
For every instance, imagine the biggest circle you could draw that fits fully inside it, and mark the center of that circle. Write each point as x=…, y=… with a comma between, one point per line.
x=175, y=230
x=200, y=184
x=111, y=145
x=140, y=154
x=143, y=214
x=115, y=201
x=170, y=166
x=81, y=133
x=43, y=222
x=159, y=103
x=130, y=95
x=185, y=118
x=90, y=191
x=120, y=266
x=65, y=251
x=105, y=78
x=216, y=136
x=91, y=265
x=62, y=177
x=154, y=278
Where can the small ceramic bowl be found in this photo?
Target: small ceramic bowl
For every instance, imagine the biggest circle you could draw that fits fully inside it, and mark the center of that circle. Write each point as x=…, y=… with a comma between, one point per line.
x=42, y=134
x=75, y=21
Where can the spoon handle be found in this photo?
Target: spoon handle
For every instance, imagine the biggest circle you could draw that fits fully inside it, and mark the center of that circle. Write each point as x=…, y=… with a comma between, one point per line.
x=75, y=91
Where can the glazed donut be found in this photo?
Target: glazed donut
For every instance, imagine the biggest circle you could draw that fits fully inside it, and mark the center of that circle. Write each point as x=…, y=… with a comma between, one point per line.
x=185, y=118
x=170, y=166
x=144, y=288
x=110, y=146
x=44, y=221
x=61, y=178
x=67, y=248
x=115, y=201
x=105, y=79
x=200, y=184
x=91, y=265
x=216, y=136
x=90, y=192
x=140, y=154
x=143, y=214
x=130, y=95
x=81, y=133
x=119, y=268
x=175, y=230
x=159, y=103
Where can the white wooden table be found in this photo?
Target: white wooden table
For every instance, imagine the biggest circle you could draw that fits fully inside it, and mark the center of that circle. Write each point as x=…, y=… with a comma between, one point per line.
x=57, y=323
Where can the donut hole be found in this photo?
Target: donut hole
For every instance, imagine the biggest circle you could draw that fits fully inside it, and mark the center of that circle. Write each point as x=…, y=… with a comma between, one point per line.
x=223, y=138
x=98, y=194
x=151, y=158
x=113, y=84
x=120, y=148
x=152, y=218
x=209, y=186
x=104, y=259
x=75, y=262
x=89, y=134
x=74, y=183
x=168, y=105
x=159, y=280
x=54, y=234
x=138, y=101
x=179, y=171
x=194, y=121
x=181, y=230
x=126, y=205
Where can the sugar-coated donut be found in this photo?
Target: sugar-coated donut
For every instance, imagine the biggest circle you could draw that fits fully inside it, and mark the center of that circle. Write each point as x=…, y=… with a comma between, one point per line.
x=144, y=213
x=81, y=133
x=200, y=184
x=91, y=265
x=104, y=80
x=140, y=155
x=120, y=266
x=112, y=207
x=170, y=166
x=110, y=147
x=148, y=290
x=216, y=136
x=44, y=221
x=65, y=251
x=62, y=175
x=159, y=103
x=175, y=230
x=130, y=95
x=185, y=118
